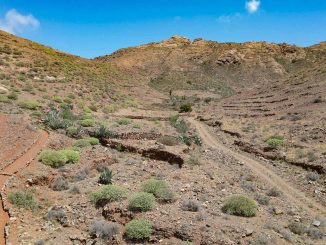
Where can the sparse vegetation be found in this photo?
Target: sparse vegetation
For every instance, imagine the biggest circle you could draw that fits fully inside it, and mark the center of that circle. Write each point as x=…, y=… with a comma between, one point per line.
x=53, y=158
x=124, y=121
x=275, y=141
x=103, y=229
x=190, y=205
x=185, y=108
x=23, y=199
x=274, y=192
x=159, y=189
x=60, y=184
x=141, y=201
x=240, y=206
x=106, y=177
x=29, y=104
x=297, y=228
x=139, y=229
x=87, y=122
x=109, y=193
x=313, y=176
x=71, y=155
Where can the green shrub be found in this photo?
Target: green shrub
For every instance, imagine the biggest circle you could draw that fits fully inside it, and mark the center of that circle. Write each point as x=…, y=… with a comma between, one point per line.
x=297, y=228
x=109, y=193
x=57, y=99
x=4, y=99
x=173, y=120
x=93, y=141
x=139, y=229
x=81, y=143
x=153, y=186
x=53, y=158
x=13, y=96
x=168, y=140
x=275, y=141
x=185, y=108
x=87, y=122
x=29, y=104
x=73, y=131
x=124, y=121
x=102, y=132
x=160, y=189
x=71, y=155
x=106, y=177
x=262, y=200
x=23, y=199
x=240, y=206
x=141, y=201
x=54, y=120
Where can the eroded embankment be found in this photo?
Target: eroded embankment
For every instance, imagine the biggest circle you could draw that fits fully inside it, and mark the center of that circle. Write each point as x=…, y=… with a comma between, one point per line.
x=15, y=167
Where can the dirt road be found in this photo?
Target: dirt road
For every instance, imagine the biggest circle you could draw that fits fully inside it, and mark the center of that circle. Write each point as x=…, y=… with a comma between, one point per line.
x=19, y=164
x=294, y=195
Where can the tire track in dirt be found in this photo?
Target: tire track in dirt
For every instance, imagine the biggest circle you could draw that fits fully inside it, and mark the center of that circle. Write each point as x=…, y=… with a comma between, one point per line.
x=12, y=169
x=294, y=195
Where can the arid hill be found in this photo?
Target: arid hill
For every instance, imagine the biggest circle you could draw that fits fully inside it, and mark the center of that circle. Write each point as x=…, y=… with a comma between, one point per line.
x=177, y=142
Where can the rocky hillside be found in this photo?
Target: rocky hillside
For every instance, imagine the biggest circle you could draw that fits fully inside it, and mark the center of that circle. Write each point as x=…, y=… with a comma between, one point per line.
x=222, y=68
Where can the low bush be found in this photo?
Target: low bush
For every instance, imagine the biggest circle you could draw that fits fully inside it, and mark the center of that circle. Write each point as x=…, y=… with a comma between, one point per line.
x=13, y=96
x=29, y=104
x=124, y=121
x=53, y=158
x=102, y=132
x=297, y=228
x=60, y=184
x=315, y=233
x=81, y=174
x=109, y=193
x=81, y=143
x=275, y=141
x=73, y=131
x=240, y=206
x=57, y=99
x=23, y=199
x=58, y=215
x=159, y=189
x=54, y=120
x=106, y=177
x=185, y=108
x=190, y=205
x=141, y=201
x=71, y=155
x=139, y=229
x=87, y=122
x=103, y=229
x=274, y=192
x=313, y=176
x=262, y=200
x=93, y=141
x=168, y=140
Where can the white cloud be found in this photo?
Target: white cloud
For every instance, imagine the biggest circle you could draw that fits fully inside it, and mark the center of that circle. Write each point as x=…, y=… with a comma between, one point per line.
x=252, y=6
x=14, y=22
x=229, y=18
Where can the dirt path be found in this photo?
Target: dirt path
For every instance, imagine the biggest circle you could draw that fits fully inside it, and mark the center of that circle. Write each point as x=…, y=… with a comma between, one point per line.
x=19, y=164
x=294, y=195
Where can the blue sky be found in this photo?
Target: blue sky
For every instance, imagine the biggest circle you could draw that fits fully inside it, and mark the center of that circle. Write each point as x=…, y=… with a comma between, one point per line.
x=92, y=28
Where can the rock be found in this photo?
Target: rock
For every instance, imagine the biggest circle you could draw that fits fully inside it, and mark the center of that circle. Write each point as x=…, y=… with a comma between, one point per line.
x=316, y=223
x=277, y=211
x=249, y=232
